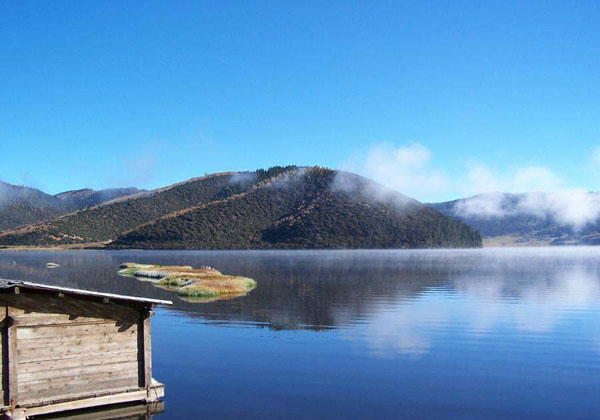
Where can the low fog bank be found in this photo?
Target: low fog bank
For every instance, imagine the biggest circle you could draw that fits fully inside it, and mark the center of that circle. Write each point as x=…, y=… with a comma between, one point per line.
x=574, y=208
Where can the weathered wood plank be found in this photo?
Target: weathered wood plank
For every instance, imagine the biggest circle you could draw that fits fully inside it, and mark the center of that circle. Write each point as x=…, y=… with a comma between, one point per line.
x=87, y=387
x=121, y=412
x=82, y=389
x=48, y=303
x=75, y=372
x=13, y=360
x=74, y=340
x=33, y=355
x=147, y=344
x=47, y=331
x=58, y=319
x=32, y=310
x=83, y=403
x=91, y=360
x=4, y=343
x=97, y=382
x=52, y=357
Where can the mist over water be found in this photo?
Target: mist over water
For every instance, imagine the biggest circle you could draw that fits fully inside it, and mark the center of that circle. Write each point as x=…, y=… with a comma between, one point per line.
x=490, y=333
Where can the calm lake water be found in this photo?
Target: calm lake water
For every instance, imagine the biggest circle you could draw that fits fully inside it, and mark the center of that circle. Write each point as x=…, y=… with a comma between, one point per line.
x=508, y=333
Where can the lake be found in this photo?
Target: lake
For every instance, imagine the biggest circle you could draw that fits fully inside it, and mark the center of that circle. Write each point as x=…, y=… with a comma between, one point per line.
x=492, y=333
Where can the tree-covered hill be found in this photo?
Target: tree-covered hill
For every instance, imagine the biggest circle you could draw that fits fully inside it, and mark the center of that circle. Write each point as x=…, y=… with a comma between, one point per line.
x=20, y=205
x=282, y=207
x=87, y=197
x=305, y=208
x=106, y=222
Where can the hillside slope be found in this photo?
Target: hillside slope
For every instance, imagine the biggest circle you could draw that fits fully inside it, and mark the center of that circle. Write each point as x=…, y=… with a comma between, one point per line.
x=107, y=221
x=87, y=197
x=20, y=205
x=305, y=208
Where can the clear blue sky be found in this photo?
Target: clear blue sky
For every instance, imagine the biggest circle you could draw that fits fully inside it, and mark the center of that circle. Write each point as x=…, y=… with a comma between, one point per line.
x=148, y=93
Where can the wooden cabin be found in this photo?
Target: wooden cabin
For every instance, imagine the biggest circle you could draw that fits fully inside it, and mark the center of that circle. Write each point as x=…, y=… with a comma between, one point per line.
x=66, y=349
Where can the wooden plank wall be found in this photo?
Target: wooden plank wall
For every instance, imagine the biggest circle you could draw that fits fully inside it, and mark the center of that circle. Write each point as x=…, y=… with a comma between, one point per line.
x=70, y=348
x=4, y=353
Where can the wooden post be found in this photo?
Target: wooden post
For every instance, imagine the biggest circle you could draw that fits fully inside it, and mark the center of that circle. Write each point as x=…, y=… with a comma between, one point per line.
x=147, y=352
x=13, y=385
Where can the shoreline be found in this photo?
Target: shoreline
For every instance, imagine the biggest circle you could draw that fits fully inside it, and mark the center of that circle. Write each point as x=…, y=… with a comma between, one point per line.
x=493, y=243
x=69, y=247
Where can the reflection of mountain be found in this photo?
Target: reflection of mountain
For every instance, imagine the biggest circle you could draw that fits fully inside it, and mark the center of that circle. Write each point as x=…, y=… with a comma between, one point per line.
x=295, y=290
x=394, y=297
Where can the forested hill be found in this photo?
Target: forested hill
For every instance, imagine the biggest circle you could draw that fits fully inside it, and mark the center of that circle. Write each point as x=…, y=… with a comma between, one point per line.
x=283, y=207
x=305, y=208
x=87, y=197
x=20, y=205
x=106, y=222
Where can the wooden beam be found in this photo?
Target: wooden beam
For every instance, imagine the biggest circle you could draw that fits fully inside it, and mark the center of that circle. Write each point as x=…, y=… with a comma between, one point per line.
x=88, y=402
x=13, y=361
x=147, y=350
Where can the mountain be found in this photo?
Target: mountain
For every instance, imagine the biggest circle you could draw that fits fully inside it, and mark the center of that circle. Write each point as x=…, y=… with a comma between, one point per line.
x=88, y=197
x=106, y=222
x=282, y=207
x=20, y=205
x=305, y=208
x=535, y=218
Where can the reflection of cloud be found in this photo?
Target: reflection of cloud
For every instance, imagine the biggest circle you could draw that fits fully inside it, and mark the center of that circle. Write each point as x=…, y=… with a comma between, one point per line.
x=403, y=328
x=539, y=304
x=496, y=298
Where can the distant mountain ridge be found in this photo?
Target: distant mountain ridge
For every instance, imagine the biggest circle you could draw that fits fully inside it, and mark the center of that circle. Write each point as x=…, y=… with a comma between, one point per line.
x=282, y=207
x=87, y=197
x=551, y=218
x=21, y=205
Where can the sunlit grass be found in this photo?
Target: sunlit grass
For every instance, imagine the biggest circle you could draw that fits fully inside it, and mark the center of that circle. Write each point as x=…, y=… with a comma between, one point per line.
x=198, y=285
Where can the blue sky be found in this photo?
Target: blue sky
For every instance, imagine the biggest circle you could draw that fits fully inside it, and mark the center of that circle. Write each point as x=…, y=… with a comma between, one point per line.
x=439, y=99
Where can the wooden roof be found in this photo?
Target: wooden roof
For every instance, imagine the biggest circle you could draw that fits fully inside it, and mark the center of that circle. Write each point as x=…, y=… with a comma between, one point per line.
x=8, y=284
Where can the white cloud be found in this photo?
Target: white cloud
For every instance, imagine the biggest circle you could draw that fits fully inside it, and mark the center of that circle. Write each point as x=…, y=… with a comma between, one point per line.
x=480, y=179
x=570, y=207
x=410, y=169
x=406, y=169
x=483, y=205
x=575, y=207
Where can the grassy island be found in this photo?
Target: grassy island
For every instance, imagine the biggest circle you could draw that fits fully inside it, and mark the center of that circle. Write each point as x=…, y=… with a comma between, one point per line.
x=195, y=284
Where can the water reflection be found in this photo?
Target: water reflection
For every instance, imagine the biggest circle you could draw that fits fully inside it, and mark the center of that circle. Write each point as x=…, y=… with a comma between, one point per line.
x=397, y=296
x=333, y=334
x=523, y=298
